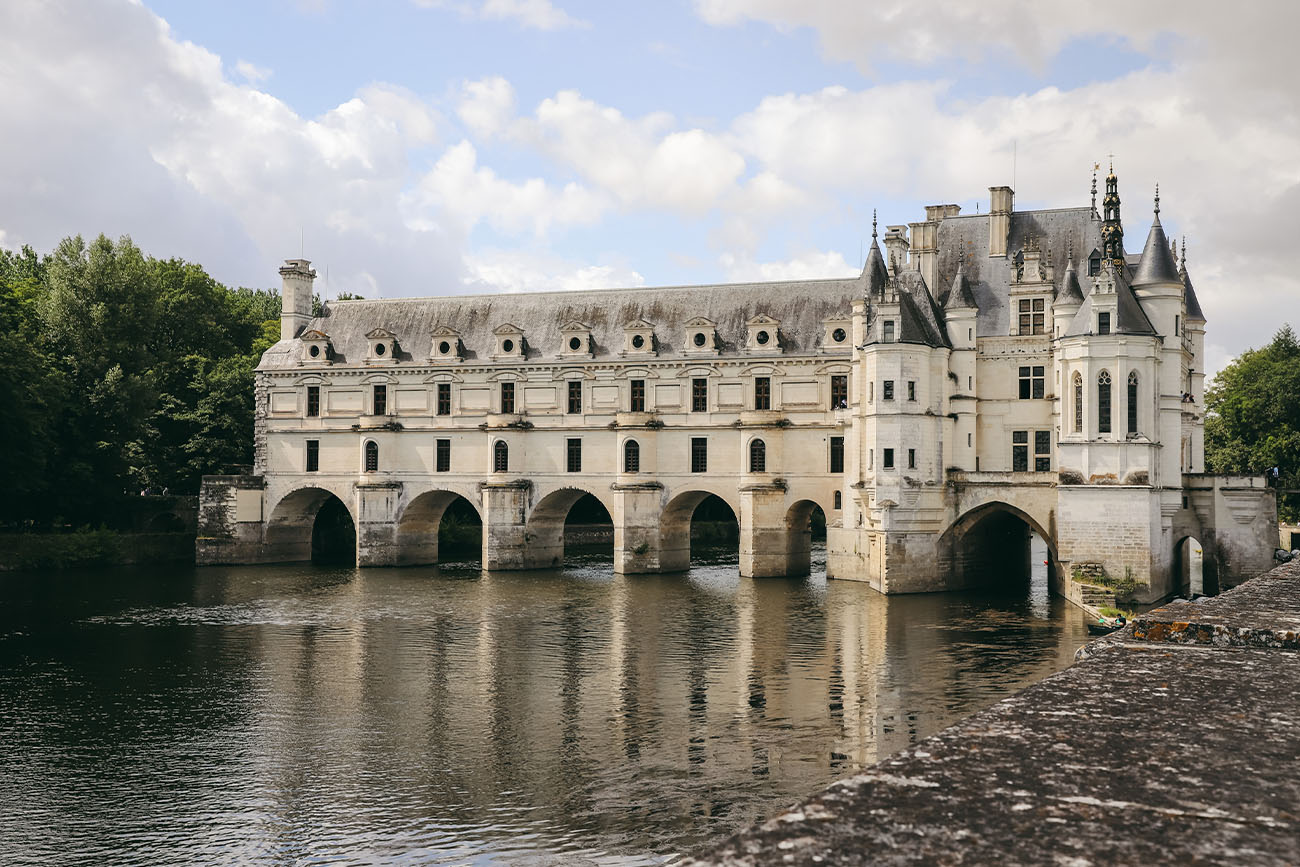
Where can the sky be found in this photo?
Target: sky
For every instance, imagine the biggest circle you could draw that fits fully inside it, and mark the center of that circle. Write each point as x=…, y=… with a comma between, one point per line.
x=431, y=147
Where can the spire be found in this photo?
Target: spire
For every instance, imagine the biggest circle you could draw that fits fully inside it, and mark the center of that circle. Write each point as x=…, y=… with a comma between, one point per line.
x=1194, y=313
x=1071, y=291
x=873, y=270
x=1157, y=265
x=960, y=297
x=1095, y=166
x=1112, y=229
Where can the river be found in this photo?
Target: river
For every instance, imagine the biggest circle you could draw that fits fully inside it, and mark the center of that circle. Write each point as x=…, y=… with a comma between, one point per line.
x=295, y=714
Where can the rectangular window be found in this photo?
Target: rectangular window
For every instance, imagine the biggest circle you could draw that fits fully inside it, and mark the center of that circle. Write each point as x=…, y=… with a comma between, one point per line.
x=313, y=401
x=507, y=397
x=313, y=455
x=887, y=459
x=1132, y=404
x=837, y=454
x=911, y=390
x=1042, y=451
x=887, y=328
x=889, y=390
x=762, y=392
x=871, y=459
x=575, y=396
x=871, y=392
x=442, y=453
x=574, y=462
x=1020, y=451
x=1103, y=403
x=444, y=398
x=911, y=459
x=1103, y=323
x=380, y=403
x=699, y=395
x=1032, y=316
x=637, y=400
x=699, y=455
x=839, y=391
x=1032, y=383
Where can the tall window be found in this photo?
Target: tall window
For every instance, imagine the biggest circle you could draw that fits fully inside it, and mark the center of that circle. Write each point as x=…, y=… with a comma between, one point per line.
x=911, y=389
x=507, y=397
x=444, y=398
x=1032, y=380
x=889, y=390
x=699, y=455
x=1031, y=315
x=757, y=457
x=575, y=396
x=839, y=500
x=1103, y=402
x=636, y=400
x=500, y=457
x=313, y=400
x=1078, y=402
x=313, y=455
x=442, y=456
x=887, y=331
x=837, y=454
x=1132, y=402
x=573, y=455
x=1103, y=323
x=762, y=392
x=1020, y=451
x=379, y=403
x=372, y=456
x=839, y=391
x=631, y=457
x=887, y=459
x=1042, y=451
x=911, y=459
x=699, y=395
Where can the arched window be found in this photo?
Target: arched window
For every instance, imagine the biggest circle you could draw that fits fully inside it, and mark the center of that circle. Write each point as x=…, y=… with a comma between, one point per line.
x=1103, y=402
x=1132, y=402
x=1078, y=402
x=839, y=500
x=757, y=457
x=631, y=457
x=500, y=457
x=372, y=456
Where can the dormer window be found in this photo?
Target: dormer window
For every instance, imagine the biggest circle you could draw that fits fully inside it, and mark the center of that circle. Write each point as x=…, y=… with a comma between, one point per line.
x=1103, y=323
x=701, y=337
x=764, y=335
x=316, y=347
x=638, y=338
x=887, y=331
x=446, y=345
x=575, y=340
x=1094, y=264
x=382, y=346
x=835, y=334
x=1032, y=315
x=510, y=341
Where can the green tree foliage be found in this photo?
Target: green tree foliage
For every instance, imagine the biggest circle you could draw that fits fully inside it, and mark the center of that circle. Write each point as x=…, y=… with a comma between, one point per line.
x=120, y=372
x=1253, y=418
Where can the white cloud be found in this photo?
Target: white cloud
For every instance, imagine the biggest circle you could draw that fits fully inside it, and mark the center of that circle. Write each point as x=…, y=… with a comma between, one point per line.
x=528, y=271
x=487, y=106
x=251, y=72
x=536, y=14
x=810, y=265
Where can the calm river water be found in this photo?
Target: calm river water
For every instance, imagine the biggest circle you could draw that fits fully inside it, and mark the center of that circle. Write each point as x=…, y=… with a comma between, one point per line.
x=298, y=715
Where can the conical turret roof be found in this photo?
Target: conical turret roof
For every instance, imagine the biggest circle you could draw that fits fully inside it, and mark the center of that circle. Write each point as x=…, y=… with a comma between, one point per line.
x=1189, y=294
x=1071, y=290
x=874, y=271
x=959, y=296
x=1157, y=264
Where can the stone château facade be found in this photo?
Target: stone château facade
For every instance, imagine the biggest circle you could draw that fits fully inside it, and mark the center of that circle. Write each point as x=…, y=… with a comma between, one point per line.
x=984, y=372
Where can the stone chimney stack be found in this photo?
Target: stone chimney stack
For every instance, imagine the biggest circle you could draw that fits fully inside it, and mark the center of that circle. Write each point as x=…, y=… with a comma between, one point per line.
x=1000, y=207
x=896, y=246
x=295, y=297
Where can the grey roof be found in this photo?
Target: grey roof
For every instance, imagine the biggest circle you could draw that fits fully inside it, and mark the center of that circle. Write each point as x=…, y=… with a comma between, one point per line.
x=1071, y=292
x=1130, y=317
x=874, y=271
x=1157, y=264
x=922, y=318
x=959, y=296
x=1189, y=297
x=800, y=306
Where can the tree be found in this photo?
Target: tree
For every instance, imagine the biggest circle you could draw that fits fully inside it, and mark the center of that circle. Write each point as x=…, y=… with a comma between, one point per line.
x=1253, y=418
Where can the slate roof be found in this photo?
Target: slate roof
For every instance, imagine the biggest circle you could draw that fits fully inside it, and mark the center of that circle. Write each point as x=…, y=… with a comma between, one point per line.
x=959, y=296
x=1157, y=263
x=1071, y=291
x=1129, y=315
x=1189, y=297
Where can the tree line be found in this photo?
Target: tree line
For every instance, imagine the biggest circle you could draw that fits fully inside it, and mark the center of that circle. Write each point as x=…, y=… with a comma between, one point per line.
x=120, y=372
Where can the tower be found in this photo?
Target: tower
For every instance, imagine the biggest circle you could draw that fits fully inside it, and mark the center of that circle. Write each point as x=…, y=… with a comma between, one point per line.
x=296, y=277
x=1112, y=230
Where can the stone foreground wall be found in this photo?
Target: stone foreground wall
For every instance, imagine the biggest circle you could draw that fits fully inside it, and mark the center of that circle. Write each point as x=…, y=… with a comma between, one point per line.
x=1172, y=742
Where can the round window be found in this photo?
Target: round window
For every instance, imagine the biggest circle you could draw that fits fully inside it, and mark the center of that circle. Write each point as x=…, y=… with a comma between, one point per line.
x=575, y=343
x=444, y=348
x=314, y=352
x=637, y=341
x=838, y=335
x=380, y=349
x=699, y=338
x=507, y=345
x=762, y=338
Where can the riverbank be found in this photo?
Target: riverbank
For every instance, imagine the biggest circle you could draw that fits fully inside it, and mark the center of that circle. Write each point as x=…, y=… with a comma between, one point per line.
x=1172, y=741
x=92, y=548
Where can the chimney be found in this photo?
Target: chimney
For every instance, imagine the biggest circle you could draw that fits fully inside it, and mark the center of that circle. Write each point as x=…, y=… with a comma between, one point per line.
x=896, y=246
x=1000, y=206
x=295, y=297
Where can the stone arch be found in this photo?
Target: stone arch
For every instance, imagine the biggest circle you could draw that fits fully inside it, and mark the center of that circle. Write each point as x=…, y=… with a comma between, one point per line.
x=798, y=535
x=289, y=530
x=675, y=524
x=544, y=528
x=419, y=522
x=968, y=547
x=1193, y=567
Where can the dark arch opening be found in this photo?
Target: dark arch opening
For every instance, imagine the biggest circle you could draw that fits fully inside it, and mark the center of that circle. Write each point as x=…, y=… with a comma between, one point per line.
x=311, y=524
x=1193, y=569
x=588, y=531
x=439, y=527
x=998, y=548
x=698, y=528
x=569, y=525
x=333, y=536
x=805, y=538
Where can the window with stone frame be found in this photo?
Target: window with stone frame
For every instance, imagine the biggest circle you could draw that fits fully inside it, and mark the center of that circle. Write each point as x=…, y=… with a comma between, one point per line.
x=442, y=456
x=379, y=400
x=887, y=459
x=1020, y=451
x=837, y=455
x=1132, y=402
x=762, y=392
x=444, y=398
x=757, y=456
x=839, y=390
x=507, y=398
x=631, y=457
x=1032, y=315
x=573, y=455
x=839, y=500
x=1103, y=402
x=313, y=401
x=1078, y=402
x=1042, y=451
x=313, y=455
x=699, y=395
x=1032, y=382
x=911, y=459
x=911, y=389
x=575, y=396
x=372, y=456
x=888, y=390
x=1103, y=323
x=500, y=457
x=636, y=395
x=887, y=331
x=699, y=454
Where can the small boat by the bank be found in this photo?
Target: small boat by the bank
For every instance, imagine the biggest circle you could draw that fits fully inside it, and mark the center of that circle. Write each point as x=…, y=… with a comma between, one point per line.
x=1107, y=625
